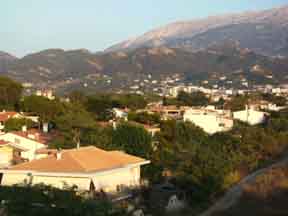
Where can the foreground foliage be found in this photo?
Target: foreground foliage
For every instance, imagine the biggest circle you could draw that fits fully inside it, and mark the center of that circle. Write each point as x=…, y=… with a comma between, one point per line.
x=45, y=200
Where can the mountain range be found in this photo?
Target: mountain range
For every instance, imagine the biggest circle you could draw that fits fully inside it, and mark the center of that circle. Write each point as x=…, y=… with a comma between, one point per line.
x=250, y=47
x=5, y=60
x=265, y=32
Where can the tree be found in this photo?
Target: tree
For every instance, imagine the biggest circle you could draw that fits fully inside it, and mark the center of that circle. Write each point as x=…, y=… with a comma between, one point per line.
x=144, y=118
x=132, y=139
x=100, y=105
x=98, y=136
x=41, y=106
x=73, y=121
x=237, y=103
x=16, y=124
x=10, y=93
x=45, y=200
x=77, y=97
x=278, y=100
x=193, y=99
x=188, y=99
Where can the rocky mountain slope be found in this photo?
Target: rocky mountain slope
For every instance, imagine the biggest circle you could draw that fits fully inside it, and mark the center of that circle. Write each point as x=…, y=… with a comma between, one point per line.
x=264, y=32
x=5, y=60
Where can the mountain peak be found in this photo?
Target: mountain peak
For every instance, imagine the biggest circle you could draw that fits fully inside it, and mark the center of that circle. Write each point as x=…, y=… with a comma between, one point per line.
x=253, y=30
x=7, y=56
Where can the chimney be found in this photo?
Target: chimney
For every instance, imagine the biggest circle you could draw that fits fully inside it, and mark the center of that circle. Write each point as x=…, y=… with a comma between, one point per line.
x=24, y=128
x=59, y=154
x=45, y=127
x=246, y=107
x=114, y=125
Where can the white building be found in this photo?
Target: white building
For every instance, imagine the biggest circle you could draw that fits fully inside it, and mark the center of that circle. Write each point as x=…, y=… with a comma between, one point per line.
x=46, y=93
x=250, y=116
x=120, y=113
x=28, y=142
x=211, y=121
x=87, y=168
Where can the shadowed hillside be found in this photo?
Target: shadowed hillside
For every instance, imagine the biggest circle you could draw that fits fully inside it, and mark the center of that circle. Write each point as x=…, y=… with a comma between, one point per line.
x=65, y=70
x=263, y=193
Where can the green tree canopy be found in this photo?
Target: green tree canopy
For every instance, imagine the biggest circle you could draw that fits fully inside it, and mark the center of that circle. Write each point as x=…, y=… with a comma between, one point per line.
x=132, y=139
x=10, y=93
x=46, y=201
x=73, y=121
x=144, y=118
x=46, y=109
x=16, y=124
x=188, y=99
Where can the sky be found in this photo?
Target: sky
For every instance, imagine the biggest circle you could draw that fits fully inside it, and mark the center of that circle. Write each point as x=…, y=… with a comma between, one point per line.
x=28, y=26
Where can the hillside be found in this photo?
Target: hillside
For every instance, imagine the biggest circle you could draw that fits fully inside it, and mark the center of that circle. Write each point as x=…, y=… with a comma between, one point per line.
x=66, y=70
x=263, y=193
x=5, y=60
x=264, y=32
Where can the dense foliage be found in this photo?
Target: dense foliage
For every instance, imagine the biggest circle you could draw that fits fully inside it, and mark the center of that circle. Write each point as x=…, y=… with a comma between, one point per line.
x=205, y=166
x=10, y=93
x=188, y=99
x=47, y=201
x=43, y=107
x=144, y=117
x=16, y=124
x=101, y=104
x=132, y=139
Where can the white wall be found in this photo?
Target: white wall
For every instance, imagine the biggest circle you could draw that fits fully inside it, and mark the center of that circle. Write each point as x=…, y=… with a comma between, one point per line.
x=210, y=123
x=107, y=181
x=25, y=143
x=128, y=177
x=250, y=116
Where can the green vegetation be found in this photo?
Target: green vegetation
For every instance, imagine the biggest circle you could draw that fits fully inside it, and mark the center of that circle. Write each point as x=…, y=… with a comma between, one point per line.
x=101, y=104
x=132, y=139
x=238, y=102
x=186, y=99
x=42, y=107
x=205, y=166
x=16, y=124
x=47, y=201
x=73, y=121
x=10, y=93
x=144, y=117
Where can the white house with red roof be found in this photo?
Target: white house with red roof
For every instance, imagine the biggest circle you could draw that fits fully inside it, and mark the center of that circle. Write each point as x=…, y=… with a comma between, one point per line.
x=29, y=141
x=87, y=168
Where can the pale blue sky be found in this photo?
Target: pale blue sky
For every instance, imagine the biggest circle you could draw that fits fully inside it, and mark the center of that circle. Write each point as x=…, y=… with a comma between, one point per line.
x=31, y=25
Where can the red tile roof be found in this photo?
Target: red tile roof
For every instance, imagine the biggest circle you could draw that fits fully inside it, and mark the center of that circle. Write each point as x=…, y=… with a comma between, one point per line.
x=4, y=116
x=35, y=135
x=2, y=142
x=86, y=159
